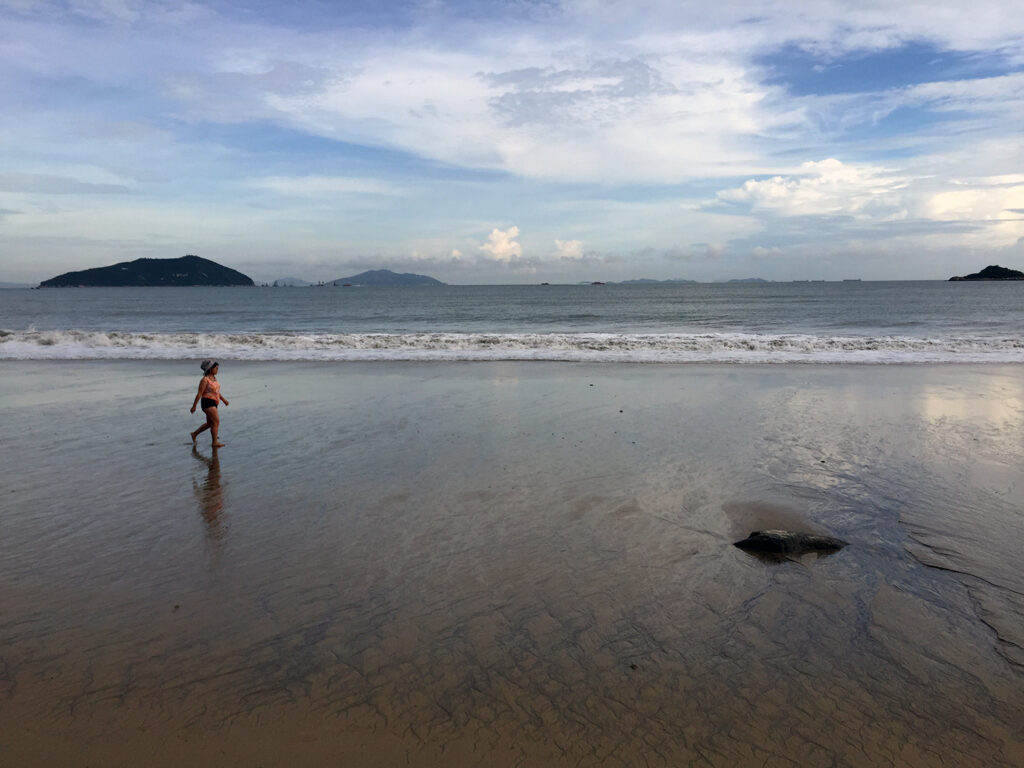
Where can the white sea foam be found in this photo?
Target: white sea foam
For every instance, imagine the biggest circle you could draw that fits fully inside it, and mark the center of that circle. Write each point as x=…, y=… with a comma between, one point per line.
x=588, y=347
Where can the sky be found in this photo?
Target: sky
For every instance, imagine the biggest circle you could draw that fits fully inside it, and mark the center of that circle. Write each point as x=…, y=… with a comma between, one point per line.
x=515, y=141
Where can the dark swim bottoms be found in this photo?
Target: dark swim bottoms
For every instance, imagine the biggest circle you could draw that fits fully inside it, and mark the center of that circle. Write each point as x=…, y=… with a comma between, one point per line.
x=207, y=403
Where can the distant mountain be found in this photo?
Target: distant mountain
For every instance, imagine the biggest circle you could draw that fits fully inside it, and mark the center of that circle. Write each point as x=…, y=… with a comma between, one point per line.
x=385, y=277
x=290, y=282
x=184, y=271
x=748, y=280
x=993, y=272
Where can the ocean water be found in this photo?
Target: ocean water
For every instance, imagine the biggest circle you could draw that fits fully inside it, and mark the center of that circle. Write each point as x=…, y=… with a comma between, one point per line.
x=849, y=322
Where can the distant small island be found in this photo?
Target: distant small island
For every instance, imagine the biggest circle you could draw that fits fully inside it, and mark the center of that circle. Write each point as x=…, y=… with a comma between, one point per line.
x=385, y=277
x=181, y=272
x=373, y=277
x=993, y=272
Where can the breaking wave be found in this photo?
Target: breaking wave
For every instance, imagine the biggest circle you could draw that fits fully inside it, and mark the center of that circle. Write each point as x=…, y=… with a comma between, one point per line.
x=582, y=347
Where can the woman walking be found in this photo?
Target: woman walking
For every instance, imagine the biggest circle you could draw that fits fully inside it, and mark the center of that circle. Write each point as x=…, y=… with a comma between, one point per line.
x=209, y=392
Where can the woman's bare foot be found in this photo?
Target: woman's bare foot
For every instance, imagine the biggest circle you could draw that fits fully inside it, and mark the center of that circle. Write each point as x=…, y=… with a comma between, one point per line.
x=193, y=436
x=218, y=445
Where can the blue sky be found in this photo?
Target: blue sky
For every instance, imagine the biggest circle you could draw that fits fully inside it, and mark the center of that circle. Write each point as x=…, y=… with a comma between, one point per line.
x=515, y=141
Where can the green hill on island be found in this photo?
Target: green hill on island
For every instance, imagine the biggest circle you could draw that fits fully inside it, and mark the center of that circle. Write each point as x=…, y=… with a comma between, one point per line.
x=385, y=277
x=184, y=271
x=993, y=272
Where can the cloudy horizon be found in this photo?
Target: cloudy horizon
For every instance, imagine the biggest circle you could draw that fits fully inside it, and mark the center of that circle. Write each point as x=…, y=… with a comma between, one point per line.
x=512, y=142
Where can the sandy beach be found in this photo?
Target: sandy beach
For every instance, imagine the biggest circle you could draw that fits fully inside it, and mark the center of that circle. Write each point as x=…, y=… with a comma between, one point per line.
x=531, y=564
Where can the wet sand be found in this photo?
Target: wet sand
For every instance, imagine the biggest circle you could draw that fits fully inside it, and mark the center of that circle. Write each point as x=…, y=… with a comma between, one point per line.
x=510, y=564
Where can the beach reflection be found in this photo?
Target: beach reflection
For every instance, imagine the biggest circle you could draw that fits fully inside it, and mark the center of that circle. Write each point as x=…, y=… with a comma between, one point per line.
x=946, y=403
x=210, y=494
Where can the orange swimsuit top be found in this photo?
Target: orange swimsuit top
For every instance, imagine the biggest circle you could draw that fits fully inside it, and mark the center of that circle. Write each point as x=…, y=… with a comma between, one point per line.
x=212, y=391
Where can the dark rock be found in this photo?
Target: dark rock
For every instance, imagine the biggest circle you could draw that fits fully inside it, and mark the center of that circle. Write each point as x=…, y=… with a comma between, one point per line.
x=789, y=543
x=993, y=272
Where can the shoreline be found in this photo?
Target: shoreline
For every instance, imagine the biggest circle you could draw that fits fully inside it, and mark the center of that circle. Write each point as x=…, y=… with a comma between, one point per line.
x=742, y=349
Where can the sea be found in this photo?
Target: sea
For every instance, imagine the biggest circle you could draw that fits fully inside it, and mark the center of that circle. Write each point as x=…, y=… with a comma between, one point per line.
x=808, y=322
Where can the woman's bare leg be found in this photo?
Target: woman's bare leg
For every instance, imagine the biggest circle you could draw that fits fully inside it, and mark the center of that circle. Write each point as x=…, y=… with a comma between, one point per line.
x=203, y=428
x=213, y=422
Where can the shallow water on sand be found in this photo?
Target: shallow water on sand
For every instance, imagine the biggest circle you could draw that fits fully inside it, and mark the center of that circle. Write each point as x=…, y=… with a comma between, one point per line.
x=511, y=564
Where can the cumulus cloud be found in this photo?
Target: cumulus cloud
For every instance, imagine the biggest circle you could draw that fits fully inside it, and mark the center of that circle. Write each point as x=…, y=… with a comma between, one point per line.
x=501, y=245
x=828, y=187
x=863, y=203
x=569, y=250
x=997, y=205
x=989, y=203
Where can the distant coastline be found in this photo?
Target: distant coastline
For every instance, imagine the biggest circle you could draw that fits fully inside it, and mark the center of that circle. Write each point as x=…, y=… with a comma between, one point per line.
x=193, y=271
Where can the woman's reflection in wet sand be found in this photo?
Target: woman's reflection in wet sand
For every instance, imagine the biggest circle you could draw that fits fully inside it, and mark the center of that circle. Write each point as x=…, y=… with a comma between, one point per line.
x=210, y=495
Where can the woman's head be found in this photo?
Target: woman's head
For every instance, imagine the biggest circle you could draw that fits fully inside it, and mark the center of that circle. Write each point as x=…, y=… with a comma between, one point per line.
x=209, y=366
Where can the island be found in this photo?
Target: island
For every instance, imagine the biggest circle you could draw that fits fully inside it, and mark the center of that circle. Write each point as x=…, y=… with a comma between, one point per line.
x=185, y=271
x=377, y=277
x=993, y=272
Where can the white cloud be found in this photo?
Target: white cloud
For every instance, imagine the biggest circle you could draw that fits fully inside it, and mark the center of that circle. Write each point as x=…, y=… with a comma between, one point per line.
x=1001, y=95
x=316, y=186
x=1001, y=180
x=833, y=25
x=501, y=245
x=618, y=120
x=999, y=206
x=829, y=187
x=932, y=210
x=46, y=184
x=995, y=202
x=569, y=250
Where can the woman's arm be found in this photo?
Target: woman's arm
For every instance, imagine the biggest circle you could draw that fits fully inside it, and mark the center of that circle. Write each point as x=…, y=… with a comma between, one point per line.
x=223, y=399
x=202, y=386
